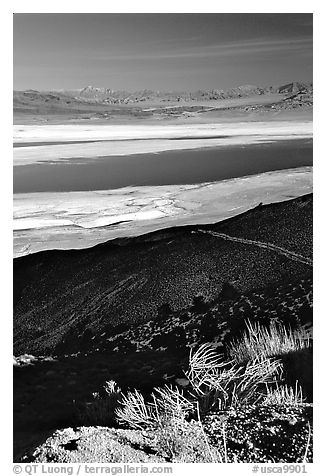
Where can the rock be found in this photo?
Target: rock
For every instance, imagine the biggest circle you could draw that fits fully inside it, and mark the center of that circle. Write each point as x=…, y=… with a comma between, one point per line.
x=95, y=445
x=25, y=359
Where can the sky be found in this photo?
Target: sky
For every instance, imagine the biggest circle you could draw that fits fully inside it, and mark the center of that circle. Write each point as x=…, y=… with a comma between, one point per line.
x=165, y=52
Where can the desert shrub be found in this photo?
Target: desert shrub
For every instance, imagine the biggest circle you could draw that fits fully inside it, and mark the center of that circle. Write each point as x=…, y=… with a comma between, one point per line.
x=218, y=385
x=101, y=409
x=167, y=414
x=263, y=342
x=199, y=305
x=172, y=403
x=173, y=416
x=213, y=385
x=208, y=327
x=134, y=411
x=164, y=312
x=165, y=404
x=228, y=292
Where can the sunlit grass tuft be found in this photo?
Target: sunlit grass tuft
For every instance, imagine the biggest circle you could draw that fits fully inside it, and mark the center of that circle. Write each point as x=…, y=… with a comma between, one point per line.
x=260, y=342
x=283, y=395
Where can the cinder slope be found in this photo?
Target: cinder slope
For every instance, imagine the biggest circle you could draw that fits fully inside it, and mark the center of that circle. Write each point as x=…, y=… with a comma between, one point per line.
x=123, y=282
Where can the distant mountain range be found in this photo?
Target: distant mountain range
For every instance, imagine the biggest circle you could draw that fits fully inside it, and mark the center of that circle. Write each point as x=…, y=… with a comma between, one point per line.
x=92, y=94
x=111, y=96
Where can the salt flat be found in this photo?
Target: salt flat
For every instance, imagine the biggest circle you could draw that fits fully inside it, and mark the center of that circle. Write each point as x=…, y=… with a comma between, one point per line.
x=81, y=219
x=73, y=132
x=115, y=140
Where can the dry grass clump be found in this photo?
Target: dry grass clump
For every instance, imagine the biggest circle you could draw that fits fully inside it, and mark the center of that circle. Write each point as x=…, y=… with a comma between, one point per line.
x=260, y=342
x=283, y=395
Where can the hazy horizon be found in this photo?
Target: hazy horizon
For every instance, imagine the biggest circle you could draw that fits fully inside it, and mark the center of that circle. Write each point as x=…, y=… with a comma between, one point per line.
x=168, y=52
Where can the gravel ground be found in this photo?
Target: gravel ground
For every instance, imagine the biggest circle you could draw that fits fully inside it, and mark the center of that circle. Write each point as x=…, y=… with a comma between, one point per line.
x=260, y=434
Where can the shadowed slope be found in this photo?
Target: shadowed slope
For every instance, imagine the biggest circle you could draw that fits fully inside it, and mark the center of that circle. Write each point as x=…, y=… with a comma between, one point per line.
x=88, y=292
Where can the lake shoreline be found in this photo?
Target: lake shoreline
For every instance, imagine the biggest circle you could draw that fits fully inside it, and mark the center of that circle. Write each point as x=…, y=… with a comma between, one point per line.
x=83, y=219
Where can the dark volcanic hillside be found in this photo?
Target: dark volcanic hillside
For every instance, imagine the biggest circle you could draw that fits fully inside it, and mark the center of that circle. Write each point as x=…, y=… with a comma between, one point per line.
x=88, y=292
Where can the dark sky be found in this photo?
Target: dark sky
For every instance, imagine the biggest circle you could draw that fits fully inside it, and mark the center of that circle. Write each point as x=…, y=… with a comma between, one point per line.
x=160, y=51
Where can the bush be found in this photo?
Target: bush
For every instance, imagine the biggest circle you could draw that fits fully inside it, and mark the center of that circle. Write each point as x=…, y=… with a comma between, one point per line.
x=134, y=412
x=213, y=385
x=164, y=312
x=218, y=385
x=166, y=404
x=199, y=305
x=228, y=292
x=208, y=327
x=174, y=416
x=167, y=414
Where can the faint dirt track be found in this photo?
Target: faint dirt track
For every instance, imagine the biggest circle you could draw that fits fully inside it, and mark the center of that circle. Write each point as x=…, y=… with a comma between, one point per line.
x=269, y=246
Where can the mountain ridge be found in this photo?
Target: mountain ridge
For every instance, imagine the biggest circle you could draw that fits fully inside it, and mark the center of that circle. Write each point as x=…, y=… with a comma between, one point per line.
x=111, y=96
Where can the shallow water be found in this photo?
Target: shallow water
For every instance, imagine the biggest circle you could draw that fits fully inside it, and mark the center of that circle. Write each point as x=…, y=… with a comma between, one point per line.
x=164, y=168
